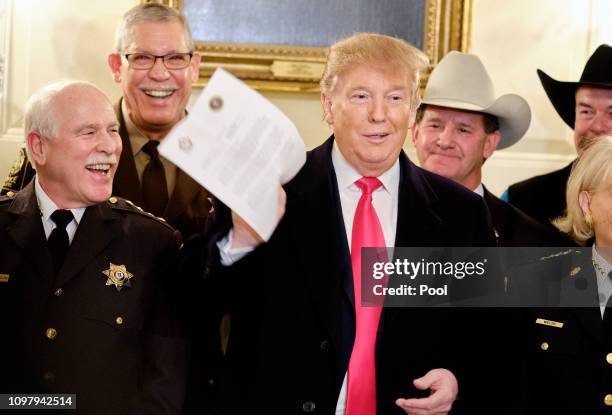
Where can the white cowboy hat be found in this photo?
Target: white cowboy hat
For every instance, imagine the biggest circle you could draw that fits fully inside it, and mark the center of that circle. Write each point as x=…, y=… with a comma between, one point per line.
x=461, y=81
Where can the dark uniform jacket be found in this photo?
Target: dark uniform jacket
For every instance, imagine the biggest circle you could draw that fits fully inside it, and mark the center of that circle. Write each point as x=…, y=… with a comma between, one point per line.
x=542, y=197
x=568, y=350
x=513, y=228
x=115, y=349
x=291, y=299
x=187, y=211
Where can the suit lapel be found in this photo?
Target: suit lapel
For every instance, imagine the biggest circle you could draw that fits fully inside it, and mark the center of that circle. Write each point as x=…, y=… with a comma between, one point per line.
x=184, y=192
x=28, y=233
x=319, y=236
x=126, y=183
x=417, y=219
x=96, y=231
x=498, y=213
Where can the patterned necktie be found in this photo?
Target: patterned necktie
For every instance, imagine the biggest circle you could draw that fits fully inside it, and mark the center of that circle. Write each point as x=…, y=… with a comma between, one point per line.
x=367, y=232
x=58, y=242
x=154, y=185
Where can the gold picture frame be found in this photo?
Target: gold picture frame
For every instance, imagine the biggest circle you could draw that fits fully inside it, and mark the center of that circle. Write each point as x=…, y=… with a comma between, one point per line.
x=446, y=27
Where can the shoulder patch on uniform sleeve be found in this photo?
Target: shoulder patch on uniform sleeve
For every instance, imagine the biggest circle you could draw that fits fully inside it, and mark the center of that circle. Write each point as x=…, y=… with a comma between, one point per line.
x=125, y=205
x=20, y=174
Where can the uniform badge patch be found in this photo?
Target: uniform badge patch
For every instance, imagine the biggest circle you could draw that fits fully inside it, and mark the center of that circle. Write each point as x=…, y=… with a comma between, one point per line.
x=4, y=277
x=118, y=276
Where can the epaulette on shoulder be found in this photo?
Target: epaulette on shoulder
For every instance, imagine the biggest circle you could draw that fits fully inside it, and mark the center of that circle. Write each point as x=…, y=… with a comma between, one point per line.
x=10, y=195
x=558, y=254
x=125, y=205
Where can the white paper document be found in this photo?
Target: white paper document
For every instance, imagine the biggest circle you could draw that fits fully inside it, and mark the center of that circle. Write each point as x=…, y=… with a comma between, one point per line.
x=239, y=146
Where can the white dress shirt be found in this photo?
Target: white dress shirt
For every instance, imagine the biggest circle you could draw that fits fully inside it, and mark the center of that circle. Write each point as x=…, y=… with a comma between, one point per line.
x=47, y=207
x=385, y=201
x=604, y=283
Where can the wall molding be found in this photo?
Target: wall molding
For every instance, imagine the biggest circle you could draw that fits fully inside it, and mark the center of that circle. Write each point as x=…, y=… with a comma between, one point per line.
x=5, y=53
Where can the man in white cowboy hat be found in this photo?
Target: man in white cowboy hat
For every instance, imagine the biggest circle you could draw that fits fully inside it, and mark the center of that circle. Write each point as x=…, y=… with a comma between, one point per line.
x=459, y=125
x=586, y=106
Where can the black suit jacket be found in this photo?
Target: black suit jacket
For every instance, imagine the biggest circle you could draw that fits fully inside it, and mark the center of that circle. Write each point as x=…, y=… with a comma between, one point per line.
x=513, y=228
x=119, y=351
x=291, y=299
x=542, y=197
x=568, y=366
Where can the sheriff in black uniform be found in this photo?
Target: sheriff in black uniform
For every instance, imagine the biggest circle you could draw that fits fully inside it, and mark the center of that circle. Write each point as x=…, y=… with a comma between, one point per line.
x=568, y=329
x=567, y=344
x=81, y=272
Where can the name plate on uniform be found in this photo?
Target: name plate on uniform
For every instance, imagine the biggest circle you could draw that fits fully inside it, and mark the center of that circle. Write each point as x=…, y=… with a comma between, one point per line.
x=550, y=323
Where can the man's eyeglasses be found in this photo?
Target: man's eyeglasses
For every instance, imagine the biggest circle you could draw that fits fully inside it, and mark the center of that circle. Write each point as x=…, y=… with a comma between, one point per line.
x=146, y=60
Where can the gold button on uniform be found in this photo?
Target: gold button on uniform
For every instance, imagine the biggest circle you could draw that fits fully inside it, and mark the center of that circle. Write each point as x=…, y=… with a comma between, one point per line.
x=609, y=358
x=119, y=320
x=544, y=346
x=608, y=400
x=58, y=292
x=112, y=199
x=51, y=333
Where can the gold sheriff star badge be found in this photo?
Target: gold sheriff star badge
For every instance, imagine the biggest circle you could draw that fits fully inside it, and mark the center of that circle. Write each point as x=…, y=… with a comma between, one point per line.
x=118, y=276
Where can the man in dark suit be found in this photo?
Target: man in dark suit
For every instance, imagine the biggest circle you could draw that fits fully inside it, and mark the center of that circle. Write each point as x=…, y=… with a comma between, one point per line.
x=567, y=299
x=460, y=124
x=83, y=273
x=585, y=106
x=299, y=334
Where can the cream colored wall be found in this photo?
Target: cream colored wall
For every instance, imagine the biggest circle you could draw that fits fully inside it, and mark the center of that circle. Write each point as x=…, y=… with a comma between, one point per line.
x=556, y=36
x=54, y=39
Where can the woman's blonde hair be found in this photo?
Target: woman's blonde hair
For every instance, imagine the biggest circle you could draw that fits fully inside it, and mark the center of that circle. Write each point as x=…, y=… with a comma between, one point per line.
x=593, y=169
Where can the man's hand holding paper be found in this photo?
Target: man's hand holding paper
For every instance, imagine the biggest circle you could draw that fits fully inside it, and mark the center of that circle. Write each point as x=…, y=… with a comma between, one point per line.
x=241, y=147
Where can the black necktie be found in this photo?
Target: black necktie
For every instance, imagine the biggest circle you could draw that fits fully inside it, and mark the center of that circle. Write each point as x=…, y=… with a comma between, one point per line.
x=154, y=186
x=58, y=240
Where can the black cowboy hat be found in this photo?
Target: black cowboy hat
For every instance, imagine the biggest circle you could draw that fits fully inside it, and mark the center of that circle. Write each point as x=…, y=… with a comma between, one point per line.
x=597, y=72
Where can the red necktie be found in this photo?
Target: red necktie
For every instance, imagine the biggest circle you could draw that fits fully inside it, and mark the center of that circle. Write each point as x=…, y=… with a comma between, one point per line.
x=367, y=232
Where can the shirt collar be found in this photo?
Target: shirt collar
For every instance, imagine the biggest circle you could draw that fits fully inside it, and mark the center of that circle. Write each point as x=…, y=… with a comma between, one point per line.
x=47, y=206
x=137, y=138
x=597, y=258
x=346, y=175
x=479, y=190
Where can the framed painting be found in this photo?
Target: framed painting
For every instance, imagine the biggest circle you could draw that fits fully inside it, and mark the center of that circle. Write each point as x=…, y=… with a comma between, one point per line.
x=281, y=45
